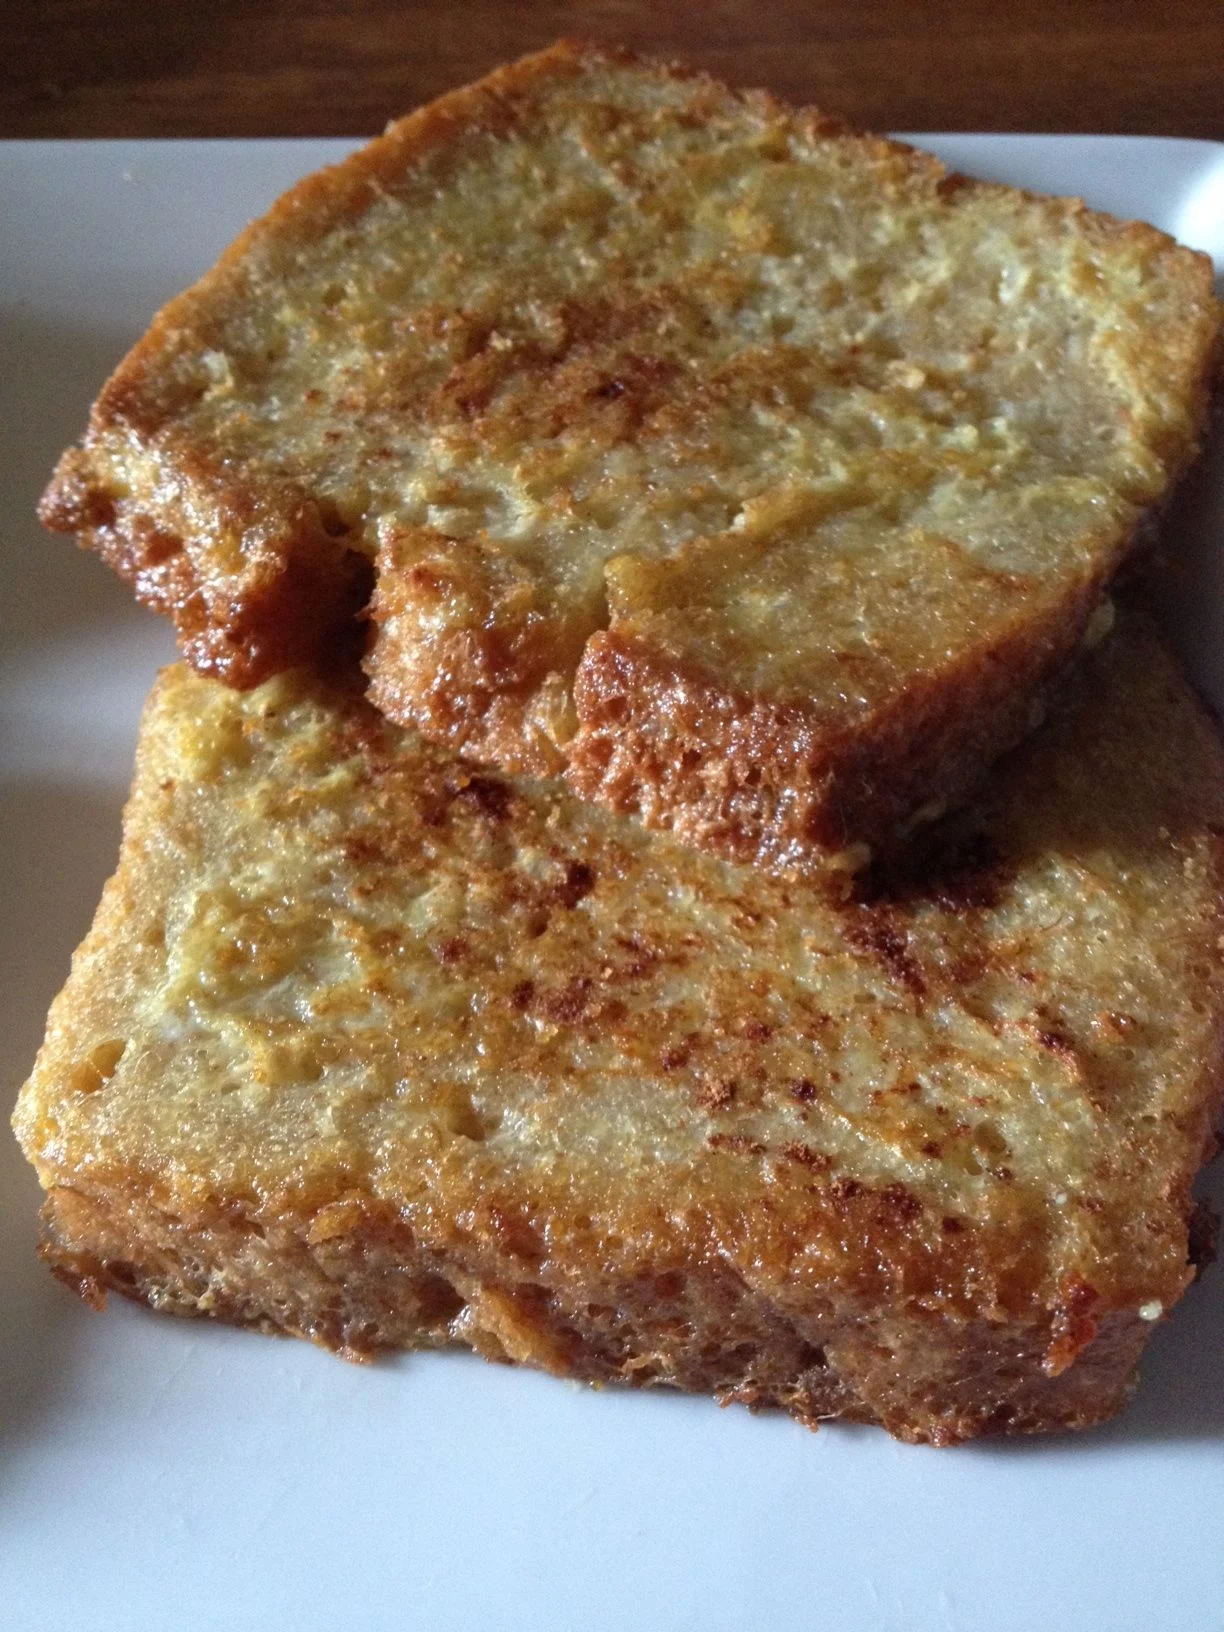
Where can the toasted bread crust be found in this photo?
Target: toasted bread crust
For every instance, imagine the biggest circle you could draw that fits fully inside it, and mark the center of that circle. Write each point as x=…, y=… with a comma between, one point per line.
x=372, y=1048
x=618, y=405
x=289, y=611
x=762, y=783
x=699, y=1329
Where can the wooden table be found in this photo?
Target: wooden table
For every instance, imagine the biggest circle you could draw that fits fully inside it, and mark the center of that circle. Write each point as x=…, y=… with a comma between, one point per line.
x=341, y=67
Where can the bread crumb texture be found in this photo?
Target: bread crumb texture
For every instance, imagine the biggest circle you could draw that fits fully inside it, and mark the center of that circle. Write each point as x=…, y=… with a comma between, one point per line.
x=375, y=1047
x=757, y=472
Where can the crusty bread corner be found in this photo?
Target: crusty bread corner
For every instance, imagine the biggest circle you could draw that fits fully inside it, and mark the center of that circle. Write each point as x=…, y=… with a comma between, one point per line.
x=372, y=1047
x=760, y=782
x=759, y=472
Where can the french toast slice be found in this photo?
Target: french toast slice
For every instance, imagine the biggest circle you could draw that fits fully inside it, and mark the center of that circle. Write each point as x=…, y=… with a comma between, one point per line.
x=369, y=1046
x=758, y=473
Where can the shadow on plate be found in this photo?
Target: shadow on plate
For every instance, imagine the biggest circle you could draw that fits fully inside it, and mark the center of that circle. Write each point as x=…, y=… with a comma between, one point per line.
x=1181, y=1388
x=60, y=843
x=60, y=833
x=37, y=1311
x=1187, y=580
x=49, y=375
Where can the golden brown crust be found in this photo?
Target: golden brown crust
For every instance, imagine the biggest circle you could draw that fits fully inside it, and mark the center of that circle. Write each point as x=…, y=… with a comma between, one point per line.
x=555, y=355
x=700, y=1328
x=372, y=1047
x=762, y=782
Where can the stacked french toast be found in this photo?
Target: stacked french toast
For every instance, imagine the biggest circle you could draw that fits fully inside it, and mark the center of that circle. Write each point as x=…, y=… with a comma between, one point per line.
x=663, y=862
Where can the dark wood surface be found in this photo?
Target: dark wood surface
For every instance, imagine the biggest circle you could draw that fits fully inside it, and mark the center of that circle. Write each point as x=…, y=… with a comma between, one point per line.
x=340, y=67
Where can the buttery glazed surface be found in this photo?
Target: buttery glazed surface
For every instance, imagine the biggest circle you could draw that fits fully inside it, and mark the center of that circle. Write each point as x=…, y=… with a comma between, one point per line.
x=348, y=997
x=598, y=352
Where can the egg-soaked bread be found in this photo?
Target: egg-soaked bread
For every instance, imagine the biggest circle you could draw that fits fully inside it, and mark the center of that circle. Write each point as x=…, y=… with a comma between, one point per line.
x=371, y=1047
x=759, y=472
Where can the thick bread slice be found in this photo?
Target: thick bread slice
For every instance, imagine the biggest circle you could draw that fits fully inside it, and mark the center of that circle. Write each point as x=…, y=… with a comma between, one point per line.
x=760, y=472
x=370, y=1047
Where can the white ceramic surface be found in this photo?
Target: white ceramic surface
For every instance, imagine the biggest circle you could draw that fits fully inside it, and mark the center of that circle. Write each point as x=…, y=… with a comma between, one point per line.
x=157, y=1475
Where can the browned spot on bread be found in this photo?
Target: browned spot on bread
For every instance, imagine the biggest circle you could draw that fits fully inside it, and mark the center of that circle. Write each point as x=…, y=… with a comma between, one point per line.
x=873, y=932
x=1057, y=1043
x=715, y=1093
x=1073, y=1325
x=490, y=796
x=577, y=884
x=796, y=1151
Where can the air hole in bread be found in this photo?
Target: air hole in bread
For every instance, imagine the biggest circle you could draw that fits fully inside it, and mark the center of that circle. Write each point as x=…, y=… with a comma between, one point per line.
x=464, y=1121
x=121, y=1276
x=437, y=1300
x=333, y=523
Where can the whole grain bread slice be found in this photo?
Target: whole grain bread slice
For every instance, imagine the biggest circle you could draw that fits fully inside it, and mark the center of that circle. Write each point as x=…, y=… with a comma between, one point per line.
x=759, y=472
x=371, y=1047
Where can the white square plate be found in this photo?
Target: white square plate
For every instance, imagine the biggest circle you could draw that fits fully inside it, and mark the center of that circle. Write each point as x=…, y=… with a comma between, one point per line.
x=158, y=1475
